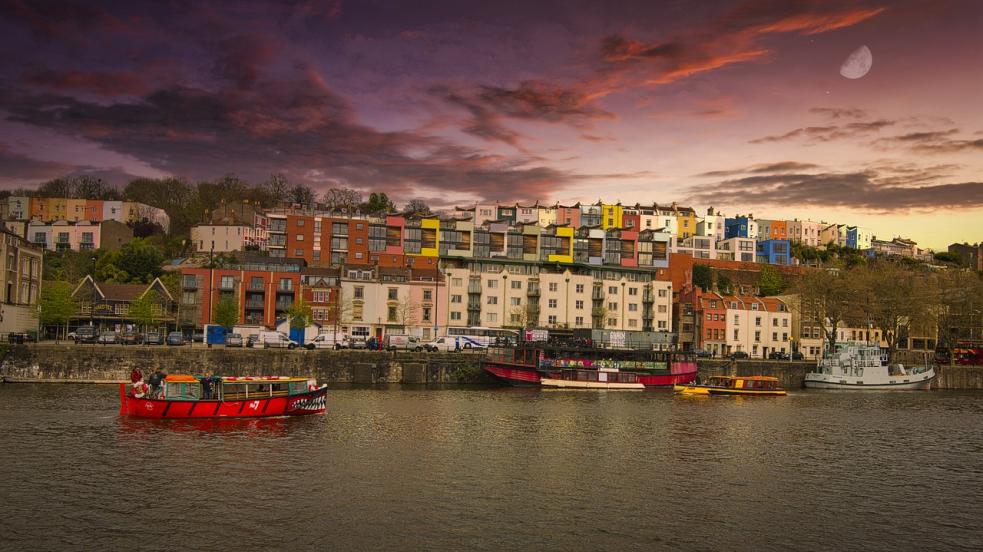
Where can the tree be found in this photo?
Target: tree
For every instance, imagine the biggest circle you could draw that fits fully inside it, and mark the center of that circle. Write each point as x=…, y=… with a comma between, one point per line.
x=946, y=257
x=894, y=299
x=959, y=313
x=340, y=310
x=724, y=285
x=302, y=195
x=518, y=317
x=825, y=297
x=378, y=203
x=69, y=266
x=56, y=304
x=145, y=310
x=107, y=268
x=416, y=207
x=277, y=188
x=300, y=314
x=703, y=276
x=226, y=313
x=141, y=260
x=599, y=317
x=770, y=282
x=344, y=200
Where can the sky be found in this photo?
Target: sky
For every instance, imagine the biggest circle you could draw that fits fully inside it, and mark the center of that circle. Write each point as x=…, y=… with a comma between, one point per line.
x=736, y=105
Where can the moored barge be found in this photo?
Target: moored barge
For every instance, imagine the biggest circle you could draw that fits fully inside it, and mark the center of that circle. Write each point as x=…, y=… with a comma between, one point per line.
x=570, y=366
x=184, y=397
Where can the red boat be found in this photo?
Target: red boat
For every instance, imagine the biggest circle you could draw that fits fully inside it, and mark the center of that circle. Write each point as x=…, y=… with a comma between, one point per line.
x=184, y=397
x=549, y=365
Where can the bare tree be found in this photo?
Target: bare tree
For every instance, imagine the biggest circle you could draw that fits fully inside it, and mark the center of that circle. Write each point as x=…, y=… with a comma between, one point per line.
x=825, y=300
x=959, y=313
x=518, y=317
x=893, y=299
x=277, y=188
x=416, y=207
x=345, y=200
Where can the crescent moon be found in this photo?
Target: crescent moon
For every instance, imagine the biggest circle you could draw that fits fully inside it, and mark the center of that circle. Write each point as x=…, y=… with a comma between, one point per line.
x=857, y=64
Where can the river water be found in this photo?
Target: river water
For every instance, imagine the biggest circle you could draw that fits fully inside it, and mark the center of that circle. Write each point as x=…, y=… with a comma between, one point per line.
x=408, y=468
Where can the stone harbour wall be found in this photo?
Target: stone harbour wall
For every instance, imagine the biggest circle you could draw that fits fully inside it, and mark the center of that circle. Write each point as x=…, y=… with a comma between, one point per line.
x=69, y=363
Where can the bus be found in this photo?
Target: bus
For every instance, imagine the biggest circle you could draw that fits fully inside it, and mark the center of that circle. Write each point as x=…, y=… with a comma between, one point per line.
x=965, y=352
x=470, y=338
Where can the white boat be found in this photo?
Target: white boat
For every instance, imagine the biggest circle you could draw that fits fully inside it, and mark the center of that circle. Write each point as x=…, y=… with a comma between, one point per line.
x=861, y=366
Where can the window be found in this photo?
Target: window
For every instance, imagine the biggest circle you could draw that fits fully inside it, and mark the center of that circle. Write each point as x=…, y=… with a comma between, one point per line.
x=784, y=336
x=515, y=301
x=298, y=252
x=663, y=308
x=757, y=336
x=737, y=319
x=774, y=322
x=359, y=292
x=551, y=319
x=662, y=325
x=428, y=295
x=228, y=282
x=633, y=291
x=736, y=335
x=579, y=304
x=754, y=306
x=774, y=336
x=662, y=293
x=491, y=300
x=632, y=323
x=300, y=223
x=492, y=284
x=612, y=306
x=516, y=284
x=757, y=320
x=457, y=282
x=551, y=303
x=612, y=290
x=492, y=317
x=426, y=314
x=392, y=314
x=579, y=321
x=455, y=298
x=633, y=307
x=300, y=237
x=393, y=294
x=579, y=288
x=612, y=321
x=455, y=315
x=553, y=286
x=785, y=322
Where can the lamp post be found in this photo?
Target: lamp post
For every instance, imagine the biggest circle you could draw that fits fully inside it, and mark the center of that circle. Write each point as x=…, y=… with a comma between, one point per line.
x=566, y=301
x=505, y=296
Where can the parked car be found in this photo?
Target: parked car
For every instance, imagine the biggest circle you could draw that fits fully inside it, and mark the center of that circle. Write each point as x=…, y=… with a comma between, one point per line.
x=778, y=355
x=703, y=353
x=86, y=334
x=328, y=341
x=22, y=337
x=198, y=336
x=356, y=342
x=404, y=342
x=109, y=338
x=739, y=355
x=797, y=355
x=132, y=338
x=233, y=340
x=153, y=338
x=175, y=338
x=442, y=344
x=276, y=340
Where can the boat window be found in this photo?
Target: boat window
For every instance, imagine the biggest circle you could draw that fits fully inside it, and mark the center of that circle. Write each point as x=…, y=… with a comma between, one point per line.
x=183, y=390
x=297, y=387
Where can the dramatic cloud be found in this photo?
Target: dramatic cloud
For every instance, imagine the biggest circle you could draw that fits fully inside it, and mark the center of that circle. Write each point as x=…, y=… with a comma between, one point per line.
x=21, y=168
x=730, y=39
x=866, y=190
x=931, y=142
x=102, y=83
x=828, y=133
x=780, y=167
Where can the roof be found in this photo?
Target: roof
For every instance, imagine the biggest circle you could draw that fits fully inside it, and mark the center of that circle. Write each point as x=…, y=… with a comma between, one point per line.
x=121, y=292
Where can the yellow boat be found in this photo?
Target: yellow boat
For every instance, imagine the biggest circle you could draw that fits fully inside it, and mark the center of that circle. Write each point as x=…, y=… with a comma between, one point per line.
x=734, y=385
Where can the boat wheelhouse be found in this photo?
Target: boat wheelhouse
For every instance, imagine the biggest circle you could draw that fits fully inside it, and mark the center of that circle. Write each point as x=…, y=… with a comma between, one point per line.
x=185, y=396
x=863, y=366
x=587, y=367
x=734, y=385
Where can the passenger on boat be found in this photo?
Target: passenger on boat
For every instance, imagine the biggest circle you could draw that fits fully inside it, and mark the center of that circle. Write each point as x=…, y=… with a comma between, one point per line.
x=157, y=383
x=135, y=376
x=206, y=387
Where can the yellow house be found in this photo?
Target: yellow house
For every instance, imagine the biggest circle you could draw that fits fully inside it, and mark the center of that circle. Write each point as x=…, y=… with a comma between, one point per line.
x=611, y=216
x=685, y=221
x=57, y=208
x=75, y=209
x=565, y=234
x=430, y=230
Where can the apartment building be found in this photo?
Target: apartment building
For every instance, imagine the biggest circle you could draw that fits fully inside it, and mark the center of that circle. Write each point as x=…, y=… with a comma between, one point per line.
x=805, y=232
x=50, y=209
x=757, y=326
x=83, y=235
x=20, y=283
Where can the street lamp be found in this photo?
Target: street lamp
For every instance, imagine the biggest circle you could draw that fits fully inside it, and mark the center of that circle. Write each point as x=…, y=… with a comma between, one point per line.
x=566, y=301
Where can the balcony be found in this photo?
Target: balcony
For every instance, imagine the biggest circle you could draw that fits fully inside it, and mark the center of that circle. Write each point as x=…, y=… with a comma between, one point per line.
x=256, y=287
x=597, y=294
x=533, y=290
x=648, y=296
x=474, y=287
x=255, y=305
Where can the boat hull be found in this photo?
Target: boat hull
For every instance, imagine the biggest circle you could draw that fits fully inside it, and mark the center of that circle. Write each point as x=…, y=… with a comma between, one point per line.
x=709, y=391
x=684, y=372
x=922, y=385
x=312, y=402
x=575, y=384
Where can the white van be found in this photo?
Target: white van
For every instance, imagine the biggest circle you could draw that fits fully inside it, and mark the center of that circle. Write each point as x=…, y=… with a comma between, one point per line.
x=442, y=344
x=272, y=340
x=405, y=342
x=328, y=341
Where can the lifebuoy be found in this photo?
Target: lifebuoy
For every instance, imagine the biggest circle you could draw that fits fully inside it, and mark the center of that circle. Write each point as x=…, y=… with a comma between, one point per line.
x=139, y=390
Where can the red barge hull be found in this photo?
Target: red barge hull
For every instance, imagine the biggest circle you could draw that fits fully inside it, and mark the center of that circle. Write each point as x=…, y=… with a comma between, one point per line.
x=312, y=402
x=681, y=373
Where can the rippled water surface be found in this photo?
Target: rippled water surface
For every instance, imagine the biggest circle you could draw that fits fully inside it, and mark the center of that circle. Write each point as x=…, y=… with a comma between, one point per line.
x=498, y=468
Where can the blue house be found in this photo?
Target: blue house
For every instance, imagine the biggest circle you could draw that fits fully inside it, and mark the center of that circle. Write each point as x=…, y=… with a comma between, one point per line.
x=739, y=227
x=777, y=252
